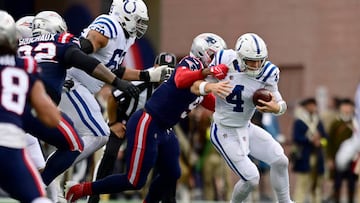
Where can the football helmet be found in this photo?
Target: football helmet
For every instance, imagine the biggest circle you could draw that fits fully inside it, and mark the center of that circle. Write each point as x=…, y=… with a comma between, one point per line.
x=132, y=15
x=205, y=46
x=8, y=37
x=24, y=26
x=48, y=22
x=251, y=47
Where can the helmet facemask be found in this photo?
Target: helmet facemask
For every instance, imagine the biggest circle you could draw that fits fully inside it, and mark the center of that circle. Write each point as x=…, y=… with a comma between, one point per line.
x=141, y=28
x=254, y=69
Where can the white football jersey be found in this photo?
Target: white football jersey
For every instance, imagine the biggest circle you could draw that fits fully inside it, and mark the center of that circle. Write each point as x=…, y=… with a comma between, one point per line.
x=238, y=108
x=112, y=55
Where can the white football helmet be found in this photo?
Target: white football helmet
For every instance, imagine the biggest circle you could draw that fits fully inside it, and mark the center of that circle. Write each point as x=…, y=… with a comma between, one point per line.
x=24, y=26
x=8, y=37
x=205, y=46
x=48, y=22
x=250, y=47
x=132, y=15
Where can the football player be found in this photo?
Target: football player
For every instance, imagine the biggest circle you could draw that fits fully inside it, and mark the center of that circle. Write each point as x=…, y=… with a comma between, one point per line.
x=119, y=108
x=149, y=133
x=56, y=51
x=21, y=90
x=232, y=133
x=107, y=38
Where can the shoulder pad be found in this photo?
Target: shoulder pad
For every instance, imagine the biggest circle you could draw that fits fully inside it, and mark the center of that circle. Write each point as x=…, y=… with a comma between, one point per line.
x=106, y=26
x=270, y=73
x=191, y=62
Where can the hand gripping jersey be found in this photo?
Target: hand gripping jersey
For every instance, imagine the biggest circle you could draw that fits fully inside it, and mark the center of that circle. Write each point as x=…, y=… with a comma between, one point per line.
x=112, y=55
x=17, y=77
x=169, y=104
x=49, y=52
x=238, y=108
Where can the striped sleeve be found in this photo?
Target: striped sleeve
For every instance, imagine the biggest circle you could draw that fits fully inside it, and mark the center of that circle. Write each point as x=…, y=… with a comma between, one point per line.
x=105, y=26
x=269, y=74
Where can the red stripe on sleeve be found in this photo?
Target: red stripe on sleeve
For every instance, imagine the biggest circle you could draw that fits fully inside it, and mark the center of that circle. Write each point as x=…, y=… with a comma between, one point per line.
x=185, y=77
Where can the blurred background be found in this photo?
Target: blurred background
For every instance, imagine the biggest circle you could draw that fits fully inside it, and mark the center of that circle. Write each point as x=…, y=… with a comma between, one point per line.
x=314, y=42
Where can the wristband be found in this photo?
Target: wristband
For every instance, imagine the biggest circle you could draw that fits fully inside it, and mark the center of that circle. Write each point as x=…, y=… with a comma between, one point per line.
x=283, y=107
x=144, y=76
x=202, y=88
x=112, y=123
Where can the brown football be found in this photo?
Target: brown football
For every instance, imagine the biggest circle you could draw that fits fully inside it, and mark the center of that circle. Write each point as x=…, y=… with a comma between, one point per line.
x=262, y=94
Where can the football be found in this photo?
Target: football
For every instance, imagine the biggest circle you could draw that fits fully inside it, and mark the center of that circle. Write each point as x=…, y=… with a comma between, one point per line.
x=262, y=94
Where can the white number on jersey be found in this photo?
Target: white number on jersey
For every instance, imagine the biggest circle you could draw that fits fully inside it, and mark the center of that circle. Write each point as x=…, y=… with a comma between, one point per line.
x=192, y=106
x=43, y=51
x=15, y=84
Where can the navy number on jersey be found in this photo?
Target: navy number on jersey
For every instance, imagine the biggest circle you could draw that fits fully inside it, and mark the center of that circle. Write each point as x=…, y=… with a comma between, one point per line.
x=116, y=59
x=235, y=97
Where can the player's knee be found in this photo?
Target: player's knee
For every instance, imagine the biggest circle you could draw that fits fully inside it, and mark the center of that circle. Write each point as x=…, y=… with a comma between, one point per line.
x=254, y=182
x=282, y=162
x=138, y=184
x=41, y=200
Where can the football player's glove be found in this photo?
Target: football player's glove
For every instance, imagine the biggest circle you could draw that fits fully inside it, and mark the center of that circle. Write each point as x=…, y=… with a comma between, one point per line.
x=219, y=71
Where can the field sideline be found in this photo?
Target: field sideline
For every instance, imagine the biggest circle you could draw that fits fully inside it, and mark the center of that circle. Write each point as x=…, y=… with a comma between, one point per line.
x=8, y=200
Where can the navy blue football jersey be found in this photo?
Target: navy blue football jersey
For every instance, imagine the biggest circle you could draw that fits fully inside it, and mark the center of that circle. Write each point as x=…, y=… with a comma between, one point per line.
x=17, y=76
x=169, y=104
x=49, y=52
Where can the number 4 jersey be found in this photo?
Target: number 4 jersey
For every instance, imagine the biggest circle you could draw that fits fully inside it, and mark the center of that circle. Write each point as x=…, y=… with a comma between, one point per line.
x=51, y=51
x=238, y=108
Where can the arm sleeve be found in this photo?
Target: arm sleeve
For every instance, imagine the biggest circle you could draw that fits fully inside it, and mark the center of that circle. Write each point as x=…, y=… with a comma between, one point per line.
x=77, y=58
x=185, y=77
x=86, y=45
x=209, y=102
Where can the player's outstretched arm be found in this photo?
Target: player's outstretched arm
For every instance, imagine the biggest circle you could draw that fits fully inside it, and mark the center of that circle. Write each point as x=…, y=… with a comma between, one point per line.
x=149, y=75
x=77, y=58
x=45, y=108
x=221, y=89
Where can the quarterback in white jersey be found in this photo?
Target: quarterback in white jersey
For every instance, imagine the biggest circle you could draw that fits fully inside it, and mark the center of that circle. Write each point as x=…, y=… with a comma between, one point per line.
x=107, y=38
x=232, y=133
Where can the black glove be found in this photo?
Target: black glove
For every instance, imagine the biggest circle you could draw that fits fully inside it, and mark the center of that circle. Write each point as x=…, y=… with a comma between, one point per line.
x=127, y=87
x=68, y=84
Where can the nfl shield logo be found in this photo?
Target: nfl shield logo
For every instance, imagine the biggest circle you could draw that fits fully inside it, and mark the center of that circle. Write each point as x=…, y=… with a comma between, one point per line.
x=168, y=58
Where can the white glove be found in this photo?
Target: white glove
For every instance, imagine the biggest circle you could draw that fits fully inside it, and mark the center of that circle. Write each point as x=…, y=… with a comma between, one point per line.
x=156, y=73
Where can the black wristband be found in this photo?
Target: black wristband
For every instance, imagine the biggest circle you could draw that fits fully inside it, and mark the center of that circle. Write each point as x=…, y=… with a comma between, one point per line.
x=112, y=123
x=144, y=76
x=119, y=72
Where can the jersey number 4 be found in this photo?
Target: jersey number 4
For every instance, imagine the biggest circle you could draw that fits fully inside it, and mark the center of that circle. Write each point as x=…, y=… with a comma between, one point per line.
x=235, y=97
